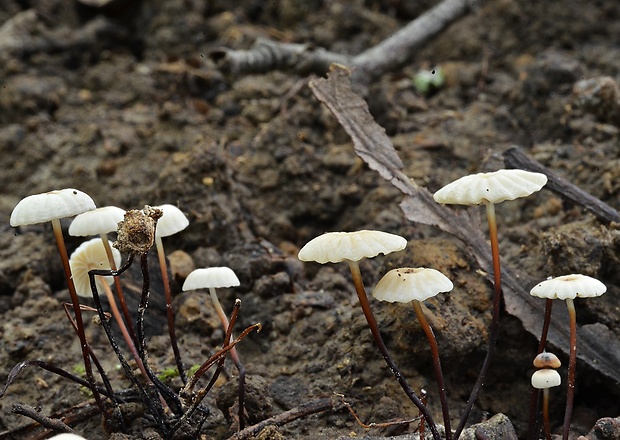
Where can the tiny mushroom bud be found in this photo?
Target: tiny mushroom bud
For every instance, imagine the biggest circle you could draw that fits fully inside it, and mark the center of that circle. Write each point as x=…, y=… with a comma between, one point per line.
x=415, y=285
x=547, y=360
x=569, y=287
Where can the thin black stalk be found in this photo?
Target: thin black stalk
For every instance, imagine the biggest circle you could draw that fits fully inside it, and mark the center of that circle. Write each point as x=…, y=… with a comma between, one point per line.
x=104, y=377
x=432, y=341
x=165, y=391
x=156, y=410
x=374, y=329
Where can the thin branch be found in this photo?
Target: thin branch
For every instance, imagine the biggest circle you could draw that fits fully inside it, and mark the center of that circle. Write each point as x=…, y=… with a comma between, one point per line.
x=390, y=54
x=514, y=157
x=303, y=410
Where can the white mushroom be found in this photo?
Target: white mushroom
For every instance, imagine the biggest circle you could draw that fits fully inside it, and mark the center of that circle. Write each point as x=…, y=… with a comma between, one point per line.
x=416, y=285
x=489, y=189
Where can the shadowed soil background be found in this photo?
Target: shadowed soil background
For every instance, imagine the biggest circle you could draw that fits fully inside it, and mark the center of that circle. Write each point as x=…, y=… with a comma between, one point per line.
x=123, y=102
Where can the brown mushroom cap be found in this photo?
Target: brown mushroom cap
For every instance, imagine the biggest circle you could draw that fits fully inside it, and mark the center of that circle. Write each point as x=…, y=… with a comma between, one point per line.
x=569, y=286
x=333, y=247
x=52, y=205
x=492, y=187
x=547, y=360
x=408, y=284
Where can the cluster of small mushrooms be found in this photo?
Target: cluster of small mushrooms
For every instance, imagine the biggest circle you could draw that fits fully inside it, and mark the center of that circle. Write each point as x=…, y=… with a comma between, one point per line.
x=94, y=266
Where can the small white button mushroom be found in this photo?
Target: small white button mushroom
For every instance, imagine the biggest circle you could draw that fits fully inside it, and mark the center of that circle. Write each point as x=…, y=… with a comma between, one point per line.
x=543, y=380
x=546, y=378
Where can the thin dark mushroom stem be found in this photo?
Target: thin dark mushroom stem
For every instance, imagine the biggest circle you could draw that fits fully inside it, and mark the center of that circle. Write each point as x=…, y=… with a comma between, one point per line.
x=572, y=365
x=169, y=310
x=75, y=302
x=494, y=327
x=104, y=377
x=374, y=328
x=234, y=355
x=118, y=288
x=432, y=341
x=156, y=411
x=165, y=391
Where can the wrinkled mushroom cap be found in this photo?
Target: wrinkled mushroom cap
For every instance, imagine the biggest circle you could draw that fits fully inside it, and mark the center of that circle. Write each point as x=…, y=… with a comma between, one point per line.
x=171, y=222
x=547, y=360
x=333, y=247
x=492, y=187
x=408, y=284
x=569, y=286
x=88, y=256
x=45, y=207
x=95, y=222
x=546, y=378
x=215, y=277
x=67, y=436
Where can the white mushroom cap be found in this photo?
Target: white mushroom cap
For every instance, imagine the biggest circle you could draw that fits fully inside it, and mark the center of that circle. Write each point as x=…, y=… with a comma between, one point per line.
x=67, y=437
x=334, y=247
x=408, y=284
x=95, y=222
x=171, y=222
x=91, y=255
x=546, y=378
x=40, y=208
x=215, y=277
x=492, y=187
x=569, y=286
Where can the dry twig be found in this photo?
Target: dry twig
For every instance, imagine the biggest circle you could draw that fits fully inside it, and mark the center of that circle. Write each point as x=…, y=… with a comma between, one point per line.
x=390, y=54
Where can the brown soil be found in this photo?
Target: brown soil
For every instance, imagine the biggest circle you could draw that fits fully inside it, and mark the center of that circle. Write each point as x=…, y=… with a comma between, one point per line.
x=136, y=114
